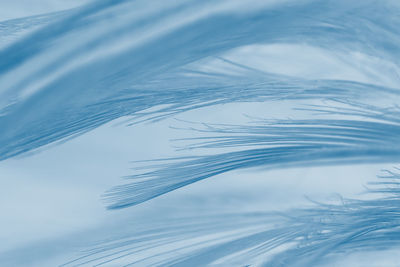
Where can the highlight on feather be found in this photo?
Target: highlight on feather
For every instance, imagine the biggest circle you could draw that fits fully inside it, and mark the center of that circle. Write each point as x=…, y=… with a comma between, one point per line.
x=309, y=236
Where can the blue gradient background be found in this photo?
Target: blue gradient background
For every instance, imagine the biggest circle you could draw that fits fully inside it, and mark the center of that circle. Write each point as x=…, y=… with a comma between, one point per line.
x=176, y=65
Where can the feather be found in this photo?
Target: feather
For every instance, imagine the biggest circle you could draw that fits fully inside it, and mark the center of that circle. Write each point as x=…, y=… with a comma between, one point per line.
x=333, y=64
x=309, y=236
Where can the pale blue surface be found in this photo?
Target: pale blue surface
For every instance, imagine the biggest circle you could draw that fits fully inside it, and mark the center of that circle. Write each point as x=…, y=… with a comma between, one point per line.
x=222, y=115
